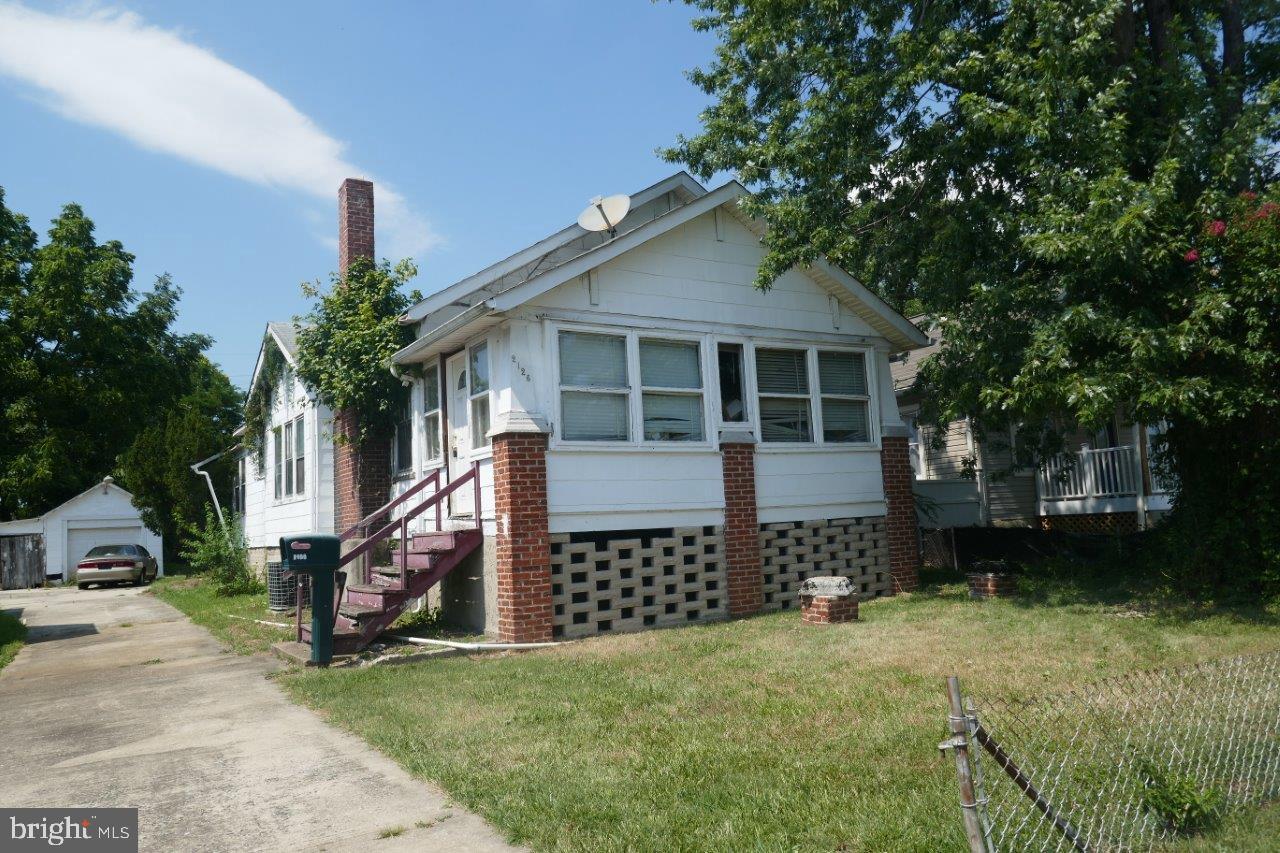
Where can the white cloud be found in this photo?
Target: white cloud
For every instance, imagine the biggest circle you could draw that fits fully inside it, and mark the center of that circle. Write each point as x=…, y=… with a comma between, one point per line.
x=111, y=69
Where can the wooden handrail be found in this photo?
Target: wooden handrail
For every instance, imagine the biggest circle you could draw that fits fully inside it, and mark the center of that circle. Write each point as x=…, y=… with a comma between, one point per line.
x=354, y=529
x=402, y=522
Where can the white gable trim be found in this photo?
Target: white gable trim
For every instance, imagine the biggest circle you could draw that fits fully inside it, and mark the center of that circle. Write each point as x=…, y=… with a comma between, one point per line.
x=896, y=328
x=262, y=352
x=475, y=282
x=106, y=489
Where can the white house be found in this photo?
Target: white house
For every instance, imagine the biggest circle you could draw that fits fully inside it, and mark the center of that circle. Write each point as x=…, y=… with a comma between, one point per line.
x=103, y=514
x=655, y=440
x=289, y=489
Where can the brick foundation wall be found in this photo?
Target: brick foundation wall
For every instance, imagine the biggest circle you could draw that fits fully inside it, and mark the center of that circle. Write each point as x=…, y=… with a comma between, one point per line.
x=992, y=585
x=743, y=577
x=828, y=610
x=523, y=543
x=900, y=519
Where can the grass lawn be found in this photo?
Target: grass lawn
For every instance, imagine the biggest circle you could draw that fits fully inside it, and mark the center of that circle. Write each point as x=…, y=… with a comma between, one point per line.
x=12, y=635
x=762, y=733
x=226, y=617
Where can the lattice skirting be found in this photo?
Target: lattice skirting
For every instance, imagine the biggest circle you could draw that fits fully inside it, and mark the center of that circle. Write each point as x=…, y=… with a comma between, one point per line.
x=1095, y=522
x=625, y=580
x=792, y=551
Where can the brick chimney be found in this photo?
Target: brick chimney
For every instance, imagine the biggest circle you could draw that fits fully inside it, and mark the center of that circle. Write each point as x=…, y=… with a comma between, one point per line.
x=355, y=222
x=361, y=473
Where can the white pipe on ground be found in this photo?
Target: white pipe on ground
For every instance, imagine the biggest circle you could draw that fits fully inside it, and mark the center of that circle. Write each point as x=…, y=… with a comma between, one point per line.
x=478, y=647
x=260, y=621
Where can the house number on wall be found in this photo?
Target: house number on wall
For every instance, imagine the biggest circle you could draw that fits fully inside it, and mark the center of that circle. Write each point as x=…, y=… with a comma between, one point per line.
x=520, y=367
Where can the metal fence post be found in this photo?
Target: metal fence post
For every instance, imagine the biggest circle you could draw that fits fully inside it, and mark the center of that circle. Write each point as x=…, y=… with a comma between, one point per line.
x=959, y=743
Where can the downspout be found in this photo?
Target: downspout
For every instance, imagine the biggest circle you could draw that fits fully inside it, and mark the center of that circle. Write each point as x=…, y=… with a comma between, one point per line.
x=198, y=470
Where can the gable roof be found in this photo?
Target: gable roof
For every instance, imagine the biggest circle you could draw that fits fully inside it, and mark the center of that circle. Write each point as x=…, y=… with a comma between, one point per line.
x=547, y=253
x=905, y=368
x=489, y=300
x=286, y=340
x=107, y=484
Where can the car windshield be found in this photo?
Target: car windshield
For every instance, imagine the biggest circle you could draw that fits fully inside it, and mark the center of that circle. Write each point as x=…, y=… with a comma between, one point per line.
x=110, y=551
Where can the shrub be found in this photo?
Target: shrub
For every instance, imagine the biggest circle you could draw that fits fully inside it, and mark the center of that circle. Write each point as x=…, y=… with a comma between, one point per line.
x=222, y=554
x=1178, y=800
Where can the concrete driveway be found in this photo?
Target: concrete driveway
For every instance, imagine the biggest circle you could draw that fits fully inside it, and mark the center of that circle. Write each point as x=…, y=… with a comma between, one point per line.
x=118, y=700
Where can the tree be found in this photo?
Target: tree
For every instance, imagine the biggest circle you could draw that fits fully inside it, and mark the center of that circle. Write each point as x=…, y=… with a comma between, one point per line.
x=88, y=362
x=156, y=468
x=1034, y=175
x=346, y=342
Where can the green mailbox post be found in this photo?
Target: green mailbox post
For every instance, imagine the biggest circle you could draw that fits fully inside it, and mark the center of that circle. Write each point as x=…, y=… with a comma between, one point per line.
x=317, y=555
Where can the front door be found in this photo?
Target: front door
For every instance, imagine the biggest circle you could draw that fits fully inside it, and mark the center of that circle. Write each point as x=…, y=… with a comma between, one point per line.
x=462, y=501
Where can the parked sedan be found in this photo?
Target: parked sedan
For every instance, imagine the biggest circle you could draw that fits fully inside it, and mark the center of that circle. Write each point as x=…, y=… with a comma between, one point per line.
x=116, y=564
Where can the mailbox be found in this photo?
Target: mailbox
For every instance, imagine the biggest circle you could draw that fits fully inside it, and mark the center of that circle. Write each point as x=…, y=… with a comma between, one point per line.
x=317, y=555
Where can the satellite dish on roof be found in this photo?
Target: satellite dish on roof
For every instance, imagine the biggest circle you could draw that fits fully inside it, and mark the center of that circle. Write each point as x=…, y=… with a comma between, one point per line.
x=604, y=214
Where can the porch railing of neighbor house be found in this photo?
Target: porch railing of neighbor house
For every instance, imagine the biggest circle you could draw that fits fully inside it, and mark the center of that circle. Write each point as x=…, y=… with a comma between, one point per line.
x=1106, y=473
x=1126, y=763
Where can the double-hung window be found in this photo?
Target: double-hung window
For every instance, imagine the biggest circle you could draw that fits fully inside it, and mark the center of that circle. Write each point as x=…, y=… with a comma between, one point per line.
x=288, y=458
x=671, y=390
x=403, y=447
x=431, y=412
x=792, y=404
x=277, y=461
x=782, y=380
x=846, y=405
x=479, y=395
x=299, y=456
x=594, y=389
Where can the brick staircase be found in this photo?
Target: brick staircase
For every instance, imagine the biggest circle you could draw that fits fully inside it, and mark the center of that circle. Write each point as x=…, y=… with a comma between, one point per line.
x=418, y=562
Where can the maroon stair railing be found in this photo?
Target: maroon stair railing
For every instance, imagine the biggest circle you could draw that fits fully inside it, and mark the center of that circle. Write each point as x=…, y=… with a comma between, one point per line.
x=401, y=525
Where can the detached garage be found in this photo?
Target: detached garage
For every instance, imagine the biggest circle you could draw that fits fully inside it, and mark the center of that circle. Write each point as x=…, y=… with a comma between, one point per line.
x=102, y=515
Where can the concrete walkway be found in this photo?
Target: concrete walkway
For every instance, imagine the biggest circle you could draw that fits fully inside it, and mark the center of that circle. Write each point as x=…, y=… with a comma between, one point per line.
x=118, y=700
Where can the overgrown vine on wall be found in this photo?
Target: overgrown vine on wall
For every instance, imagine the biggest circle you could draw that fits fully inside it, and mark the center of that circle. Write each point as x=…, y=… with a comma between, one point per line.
x=346, y=342
x=261, y=399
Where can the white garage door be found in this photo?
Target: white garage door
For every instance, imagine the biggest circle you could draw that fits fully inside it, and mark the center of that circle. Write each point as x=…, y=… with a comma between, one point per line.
x=80, y=540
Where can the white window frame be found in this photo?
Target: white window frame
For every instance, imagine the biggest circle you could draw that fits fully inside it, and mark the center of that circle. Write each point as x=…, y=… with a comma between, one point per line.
x=277, y=462
x=399, y=470
x=299, y=459
x=433, y=410
x=815, y=395
x=634, y=391
x=481, y=445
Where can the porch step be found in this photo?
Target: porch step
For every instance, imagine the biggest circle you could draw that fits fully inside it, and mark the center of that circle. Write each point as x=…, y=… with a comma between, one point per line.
x=440, y=540
x=417, y=559
x=352, y=610
x=394, y=571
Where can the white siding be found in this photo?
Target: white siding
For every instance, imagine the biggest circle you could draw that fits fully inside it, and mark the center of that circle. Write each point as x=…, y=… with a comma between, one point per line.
x=104, y=507
x=625, y=490
x=688, y=274
x=266, y=519
x=690, y=281
x=823, y=484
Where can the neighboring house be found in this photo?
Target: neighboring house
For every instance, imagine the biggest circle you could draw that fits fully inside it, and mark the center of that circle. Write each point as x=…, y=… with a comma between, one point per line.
x=656, y=441
x=1103, y=485
x=290, y=488
x=103, y=514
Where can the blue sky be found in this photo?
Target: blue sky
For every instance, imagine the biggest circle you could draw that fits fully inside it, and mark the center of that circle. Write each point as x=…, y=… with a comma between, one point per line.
x=209, y=138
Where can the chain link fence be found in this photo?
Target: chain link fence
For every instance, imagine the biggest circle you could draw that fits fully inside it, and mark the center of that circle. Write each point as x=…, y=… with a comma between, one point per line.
x=1121, y=764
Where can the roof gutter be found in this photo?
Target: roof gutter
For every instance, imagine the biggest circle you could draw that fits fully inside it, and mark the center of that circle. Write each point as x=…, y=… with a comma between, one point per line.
x=406, y=355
